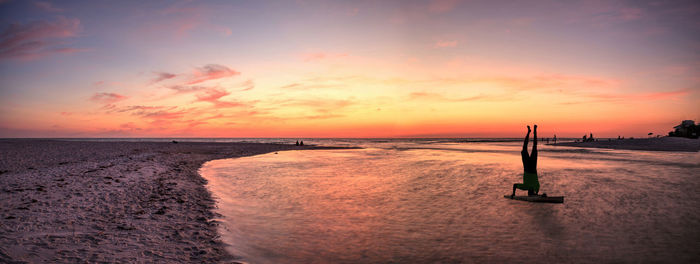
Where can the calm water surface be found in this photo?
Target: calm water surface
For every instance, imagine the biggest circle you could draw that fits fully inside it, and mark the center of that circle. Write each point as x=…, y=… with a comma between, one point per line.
x=443, y=202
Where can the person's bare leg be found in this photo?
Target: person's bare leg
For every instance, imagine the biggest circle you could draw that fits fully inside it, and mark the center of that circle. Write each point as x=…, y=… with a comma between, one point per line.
x=525, y=156
x=533, y=155
x=524, y=151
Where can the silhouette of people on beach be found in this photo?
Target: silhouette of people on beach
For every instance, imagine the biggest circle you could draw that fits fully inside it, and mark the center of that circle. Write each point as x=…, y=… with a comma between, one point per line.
x=301, y=143
x=555, y=138
x=530, y=182
x=297, y=144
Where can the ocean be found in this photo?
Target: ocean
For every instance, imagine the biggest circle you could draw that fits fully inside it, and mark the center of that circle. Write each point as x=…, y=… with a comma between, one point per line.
x=441, y=201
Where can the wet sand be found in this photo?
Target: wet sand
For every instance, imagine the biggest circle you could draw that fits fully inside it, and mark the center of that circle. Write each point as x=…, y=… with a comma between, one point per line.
x=653, y=144
x=71, y=201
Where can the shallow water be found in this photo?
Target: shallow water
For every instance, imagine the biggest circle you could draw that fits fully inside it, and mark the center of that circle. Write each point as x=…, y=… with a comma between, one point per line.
x=443, y=202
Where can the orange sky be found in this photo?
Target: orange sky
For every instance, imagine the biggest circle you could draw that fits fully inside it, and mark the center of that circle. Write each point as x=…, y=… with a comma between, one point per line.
x=347, y=69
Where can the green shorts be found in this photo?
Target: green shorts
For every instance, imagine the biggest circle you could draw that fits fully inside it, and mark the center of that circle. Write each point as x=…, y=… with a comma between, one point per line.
x=530, y=182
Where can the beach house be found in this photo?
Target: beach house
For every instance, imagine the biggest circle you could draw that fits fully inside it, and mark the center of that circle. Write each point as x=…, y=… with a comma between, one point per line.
x=687, y=129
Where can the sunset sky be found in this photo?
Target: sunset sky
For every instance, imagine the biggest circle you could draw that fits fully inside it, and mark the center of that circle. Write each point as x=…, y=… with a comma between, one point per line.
x=347, y=68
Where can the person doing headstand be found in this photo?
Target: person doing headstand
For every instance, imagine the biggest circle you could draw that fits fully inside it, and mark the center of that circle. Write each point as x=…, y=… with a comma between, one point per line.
x=530, y=182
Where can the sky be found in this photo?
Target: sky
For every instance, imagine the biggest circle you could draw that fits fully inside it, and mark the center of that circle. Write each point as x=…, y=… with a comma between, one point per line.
x=443, y=68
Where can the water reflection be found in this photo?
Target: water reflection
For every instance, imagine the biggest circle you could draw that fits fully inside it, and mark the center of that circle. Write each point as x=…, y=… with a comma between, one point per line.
x=443, y=202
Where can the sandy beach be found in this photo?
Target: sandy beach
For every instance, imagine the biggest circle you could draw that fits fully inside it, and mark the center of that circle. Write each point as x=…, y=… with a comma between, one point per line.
x=127, y=202
x=653, y=144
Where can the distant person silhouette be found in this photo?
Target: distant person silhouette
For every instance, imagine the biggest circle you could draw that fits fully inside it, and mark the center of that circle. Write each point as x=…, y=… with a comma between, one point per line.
x=530, y=182
x=301, y=143
x=297, y=143
x=555, y=139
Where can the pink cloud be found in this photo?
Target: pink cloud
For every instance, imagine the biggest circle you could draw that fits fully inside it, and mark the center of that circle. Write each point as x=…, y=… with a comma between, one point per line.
x=213, y=95
x=186, y=89
x=225, y=31
x=137, y=109
x=48, y=7
x=183, y=17
x=38, y=39
x=439, y=97
x=107, y=98
x=442, y=6
x=292, y=85
x=316, y=56
x=628, y=13
x=320, y=105
x=161, y=114
x=248, y=85
x=211, y=72
x=550, y=81
x=596, y=98
x=162, y=76
x=445, y=44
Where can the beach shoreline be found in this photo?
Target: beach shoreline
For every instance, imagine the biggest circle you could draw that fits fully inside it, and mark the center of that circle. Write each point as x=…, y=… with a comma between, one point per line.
x=651, y=144
x=102, y=201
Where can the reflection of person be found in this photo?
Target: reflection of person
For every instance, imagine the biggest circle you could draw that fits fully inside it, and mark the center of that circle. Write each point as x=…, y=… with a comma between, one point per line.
x=530, y=182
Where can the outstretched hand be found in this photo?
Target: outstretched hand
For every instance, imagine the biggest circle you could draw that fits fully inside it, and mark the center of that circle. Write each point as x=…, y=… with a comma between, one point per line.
x=528, y=129
x=535, y=127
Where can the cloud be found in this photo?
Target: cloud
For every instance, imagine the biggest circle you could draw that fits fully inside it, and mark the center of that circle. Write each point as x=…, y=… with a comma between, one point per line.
x=439, y=97
x=319, y=105
x=186, y=89
x=549, y=81
x=48, y=7
x=291, y=85
x=211, y=72
x=162, y=76
x=107, y=98
x=213, y=95
x=316, y=56
x=321, y=82
x=167, y=114
x=38, y=39
x=224, y=31
x=248, y=85
x=137, y=108
x=184, y=17
x=153, y=113
x=629, y=14
x=445, y=44
x=607, y=97
x=442, y=6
